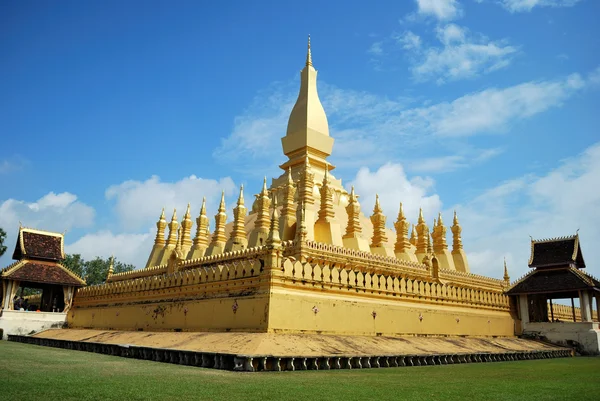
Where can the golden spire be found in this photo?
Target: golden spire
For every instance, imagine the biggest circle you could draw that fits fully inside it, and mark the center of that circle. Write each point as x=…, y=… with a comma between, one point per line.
x=353, y=209
x=456, y=230
x=172, y=238
x=506, y=276
x=378, y=220
x=264, y=204
x=202, y=234
x=161, y=224
x=220, y=221
x=186, y=225
x=111, y=266
x=439, y=235
x=308, y=54
x=413, y=236
x=307, y=131
x=423, y=234
x=273, y=239
x=402, y=244
x=326, y=212
x=238, y=232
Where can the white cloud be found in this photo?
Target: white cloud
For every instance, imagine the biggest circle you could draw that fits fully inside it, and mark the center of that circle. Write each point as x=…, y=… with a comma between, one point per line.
x=376, y=48
x=451, y=33
x=494, y=109
x=128, y=248
x=138, y=203
x=15, y=163
x=393, y=186
x=443, y=10
x=408, y=40
x=527, y=5
x=461, y=56
x=56, y=212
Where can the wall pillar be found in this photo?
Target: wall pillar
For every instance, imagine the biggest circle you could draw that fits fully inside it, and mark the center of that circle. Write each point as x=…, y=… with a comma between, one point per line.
x=598, y=306
x=523, y=308
x=7, y=295
x=584, y=304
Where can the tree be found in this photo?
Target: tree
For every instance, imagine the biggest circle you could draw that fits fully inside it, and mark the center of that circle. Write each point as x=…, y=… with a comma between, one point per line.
x=75, y=263
x=94, y=271
x=2, y=238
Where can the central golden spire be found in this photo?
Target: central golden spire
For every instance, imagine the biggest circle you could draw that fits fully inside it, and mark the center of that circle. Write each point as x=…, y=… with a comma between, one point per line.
x=308, y=130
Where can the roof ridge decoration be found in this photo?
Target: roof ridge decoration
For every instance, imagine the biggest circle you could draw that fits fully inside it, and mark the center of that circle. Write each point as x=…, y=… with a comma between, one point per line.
x=564, y=238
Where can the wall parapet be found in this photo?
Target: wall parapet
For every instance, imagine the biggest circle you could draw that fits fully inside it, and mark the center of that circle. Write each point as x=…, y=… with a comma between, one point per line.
x=393, y=284
x=149, y=271
x=158, y=284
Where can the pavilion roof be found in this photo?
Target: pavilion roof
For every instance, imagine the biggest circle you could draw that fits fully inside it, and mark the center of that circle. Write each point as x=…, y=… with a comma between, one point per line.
x=39, y=244
x=564, y=251
x=45, y=272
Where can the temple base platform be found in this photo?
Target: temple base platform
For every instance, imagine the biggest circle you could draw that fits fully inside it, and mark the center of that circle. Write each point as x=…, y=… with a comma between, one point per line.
x=252, y=352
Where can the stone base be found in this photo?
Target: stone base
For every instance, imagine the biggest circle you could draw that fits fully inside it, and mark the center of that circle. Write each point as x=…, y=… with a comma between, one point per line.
x=254, y=352
x=25, y=323
x=585, y=336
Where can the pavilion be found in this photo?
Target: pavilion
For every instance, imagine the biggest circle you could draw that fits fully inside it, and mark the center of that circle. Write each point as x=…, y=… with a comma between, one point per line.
x=557, y=274
x=38, y=254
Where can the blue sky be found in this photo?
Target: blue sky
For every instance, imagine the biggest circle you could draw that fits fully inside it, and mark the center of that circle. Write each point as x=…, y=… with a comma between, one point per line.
x=110, y=110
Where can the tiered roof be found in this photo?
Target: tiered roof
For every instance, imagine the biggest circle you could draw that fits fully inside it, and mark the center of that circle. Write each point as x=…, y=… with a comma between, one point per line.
x=38, y=254
x=557, y=264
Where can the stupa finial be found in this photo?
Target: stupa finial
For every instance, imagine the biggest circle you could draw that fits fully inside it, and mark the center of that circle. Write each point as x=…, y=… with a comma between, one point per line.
x=241, y=197
x=264, y=191
x=111, y=266
x=222, y=204
x=308, y=54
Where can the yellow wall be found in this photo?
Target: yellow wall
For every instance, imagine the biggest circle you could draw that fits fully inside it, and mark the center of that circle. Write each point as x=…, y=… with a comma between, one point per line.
x=292, y=311
x=214, y=314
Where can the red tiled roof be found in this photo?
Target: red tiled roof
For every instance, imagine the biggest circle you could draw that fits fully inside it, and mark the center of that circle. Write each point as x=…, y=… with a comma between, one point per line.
x=37, y=244
x=43, y=272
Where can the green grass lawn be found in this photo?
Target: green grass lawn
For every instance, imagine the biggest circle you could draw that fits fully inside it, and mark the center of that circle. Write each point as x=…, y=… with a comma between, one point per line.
x=40, y=373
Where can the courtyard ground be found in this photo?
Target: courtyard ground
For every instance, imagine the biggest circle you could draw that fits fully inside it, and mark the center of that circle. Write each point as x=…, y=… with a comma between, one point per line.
x=33, y=372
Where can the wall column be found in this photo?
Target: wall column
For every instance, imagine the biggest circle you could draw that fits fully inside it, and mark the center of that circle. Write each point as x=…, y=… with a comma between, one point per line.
x=523, y=308
x=584, y=304
x=598, y=306
x=7, y=295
